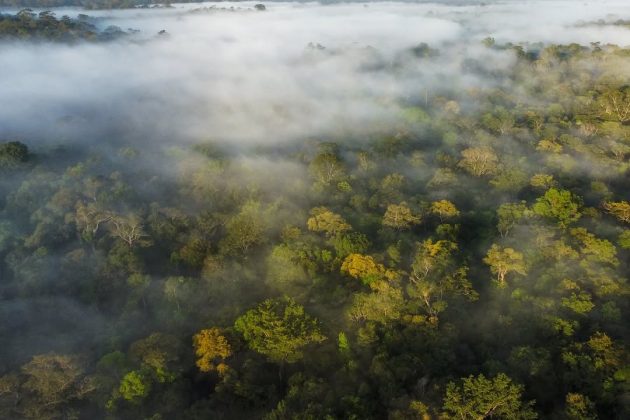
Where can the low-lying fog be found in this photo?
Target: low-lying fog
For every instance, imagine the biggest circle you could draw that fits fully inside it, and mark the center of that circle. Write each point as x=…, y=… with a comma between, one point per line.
x=248, y=76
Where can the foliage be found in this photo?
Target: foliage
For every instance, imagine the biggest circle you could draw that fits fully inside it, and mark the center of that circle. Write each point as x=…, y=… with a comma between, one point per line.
x=324, y=220
x=116, y=256
x=619, y=209
x=280, y=329
x=479, y=398
x=560, y=205
x=399, y=216
x=210, y=345
x=44, y=25
x=503, y=261
x=478, y=161
x=362, y=267
x=134, y=386
x=13, y=153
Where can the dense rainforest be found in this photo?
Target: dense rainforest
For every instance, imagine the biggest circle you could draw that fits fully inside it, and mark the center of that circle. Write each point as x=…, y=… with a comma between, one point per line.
x=469, y=261
x=90, y=4
x=45, y=26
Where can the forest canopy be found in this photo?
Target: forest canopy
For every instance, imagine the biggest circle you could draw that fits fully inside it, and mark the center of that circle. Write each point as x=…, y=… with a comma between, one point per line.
x=426, y=225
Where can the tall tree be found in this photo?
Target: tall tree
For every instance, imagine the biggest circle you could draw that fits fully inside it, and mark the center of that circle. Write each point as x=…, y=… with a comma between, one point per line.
x=280, y=329
x=504, y=261
x=478, y=398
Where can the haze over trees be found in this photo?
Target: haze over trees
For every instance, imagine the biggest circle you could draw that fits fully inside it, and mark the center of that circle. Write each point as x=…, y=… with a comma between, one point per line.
x=434, y=230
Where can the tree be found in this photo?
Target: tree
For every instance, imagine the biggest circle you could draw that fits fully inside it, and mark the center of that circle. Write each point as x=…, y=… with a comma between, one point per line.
x=9, y=395
x=324, y=220
x=280, y=329
x=499, y=122
x=390, y=188
x=139, y=283
x=51, y=382
x=510, y=178
x=160, y=354
x=327, y=168
x=619, y=209
x=504, y=261
x=134, y=386
x=192, y=254
x=89, y=218
x=544, y=181
x=362, y=267
x=129, y=229
x=211, y=349
x=444, y=209
x=245, y=230
x=579, y=407
x=509, y=215
x=383, y=304
x=479, y=161
x=480, y=398
x=615, y=104
x=176, y=289
x=435, y=277
x=561, y=205
x=350, y=243
x=594, y=249
x=285, y=271
x=13, y=154
x=399, y=216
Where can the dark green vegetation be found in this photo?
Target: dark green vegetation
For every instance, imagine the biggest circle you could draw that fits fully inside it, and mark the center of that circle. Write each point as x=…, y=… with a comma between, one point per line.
x=27, y=25
x=90, y=4
x=469, y=262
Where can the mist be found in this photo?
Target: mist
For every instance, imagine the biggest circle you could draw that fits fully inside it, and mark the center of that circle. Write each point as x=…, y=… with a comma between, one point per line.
x=315, y=210
x=248, y=77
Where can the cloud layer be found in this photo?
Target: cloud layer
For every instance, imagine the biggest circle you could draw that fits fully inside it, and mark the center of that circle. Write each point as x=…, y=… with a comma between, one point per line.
x=248, y=77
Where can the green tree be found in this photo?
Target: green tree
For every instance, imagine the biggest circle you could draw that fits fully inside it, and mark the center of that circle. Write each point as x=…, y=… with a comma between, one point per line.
x=350, y=243
x=478, y=398
x=560, y=205
x=134, y=386
x=435, y=277
x=615, y=104
x=509, y=215
x=280, y=329
x=384, y=304
x=13, y=154
x=504, y=261
x=579, y=407
x=284, y=270
x=160, y=354
x=245, y=230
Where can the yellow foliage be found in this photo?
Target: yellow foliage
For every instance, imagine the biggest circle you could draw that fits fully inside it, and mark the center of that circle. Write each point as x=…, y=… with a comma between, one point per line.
x=619, y=209
x=444, y=209
x=324, y=220
x=211, y=345
x=362, y=267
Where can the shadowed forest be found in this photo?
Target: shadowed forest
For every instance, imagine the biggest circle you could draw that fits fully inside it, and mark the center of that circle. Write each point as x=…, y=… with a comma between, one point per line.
x=354, y=211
